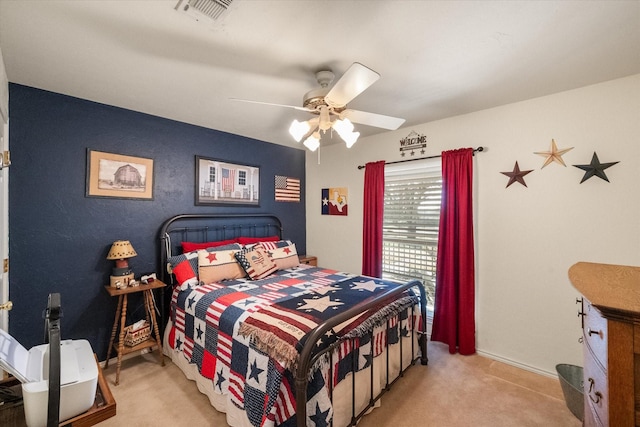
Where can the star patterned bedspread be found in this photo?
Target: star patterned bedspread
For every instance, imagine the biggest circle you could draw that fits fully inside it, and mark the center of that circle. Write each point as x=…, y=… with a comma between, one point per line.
x=245, y=336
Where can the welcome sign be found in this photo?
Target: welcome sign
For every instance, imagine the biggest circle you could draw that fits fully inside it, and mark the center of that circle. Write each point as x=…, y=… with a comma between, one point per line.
x=413, y=142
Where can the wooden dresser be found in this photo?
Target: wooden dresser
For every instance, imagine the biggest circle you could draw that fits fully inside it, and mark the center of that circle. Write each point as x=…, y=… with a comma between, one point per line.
x=611, y=342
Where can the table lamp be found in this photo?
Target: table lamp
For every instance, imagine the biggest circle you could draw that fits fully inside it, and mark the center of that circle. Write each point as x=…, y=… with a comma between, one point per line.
x=121, y=251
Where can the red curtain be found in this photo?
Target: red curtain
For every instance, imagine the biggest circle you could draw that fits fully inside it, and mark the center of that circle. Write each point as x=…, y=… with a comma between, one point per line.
x=454, y=311
x=372, y=219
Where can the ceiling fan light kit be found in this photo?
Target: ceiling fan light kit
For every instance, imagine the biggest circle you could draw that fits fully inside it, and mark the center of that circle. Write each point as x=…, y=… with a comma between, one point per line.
x=199, y=9
x=299, y=129
x=311, y=129
x=330, y=107
x=313, y=141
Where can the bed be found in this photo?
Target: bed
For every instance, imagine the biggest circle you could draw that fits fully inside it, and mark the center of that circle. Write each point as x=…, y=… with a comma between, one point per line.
x=290, y=345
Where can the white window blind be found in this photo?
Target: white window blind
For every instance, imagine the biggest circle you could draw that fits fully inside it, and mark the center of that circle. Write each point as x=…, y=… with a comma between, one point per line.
x=411, y=220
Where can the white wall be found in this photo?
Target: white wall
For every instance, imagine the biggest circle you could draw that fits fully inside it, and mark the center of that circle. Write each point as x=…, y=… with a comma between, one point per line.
x=526, y=238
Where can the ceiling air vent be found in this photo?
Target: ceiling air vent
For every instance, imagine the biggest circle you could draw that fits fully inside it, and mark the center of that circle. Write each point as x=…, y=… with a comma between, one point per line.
x=199, y=8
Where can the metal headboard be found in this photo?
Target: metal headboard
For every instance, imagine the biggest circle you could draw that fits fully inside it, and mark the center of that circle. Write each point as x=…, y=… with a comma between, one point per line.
x=208, y=228
x=212, y=227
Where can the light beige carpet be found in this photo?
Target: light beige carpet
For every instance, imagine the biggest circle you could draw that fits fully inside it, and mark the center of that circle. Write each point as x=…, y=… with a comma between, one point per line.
x=451, y=391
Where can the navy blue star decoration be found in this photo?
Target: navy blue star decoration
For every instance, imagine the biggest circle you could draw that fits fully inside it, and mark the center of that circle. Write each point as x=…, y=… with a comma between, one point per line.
x=516, y=175
x=368, y=360
x=595, y=168
x=221, y=380
x=255, y=371
x=320, y=417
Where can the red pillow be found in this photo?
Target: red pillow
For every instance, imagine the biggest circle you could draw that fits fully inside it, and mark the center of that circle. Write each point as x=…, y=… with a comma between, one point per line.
x=193, y=246
x=252, y=240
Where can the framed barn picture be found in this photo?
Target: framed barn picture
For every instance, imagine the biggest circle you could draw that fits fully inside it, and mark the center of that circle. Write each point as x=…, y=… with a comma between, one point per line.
x=219, y=182
x=118, y=176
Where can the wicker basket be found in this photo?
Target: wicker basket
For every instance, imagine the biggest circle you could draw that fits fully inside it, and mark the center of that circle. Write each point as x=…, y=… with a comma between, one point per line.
x=133, y=337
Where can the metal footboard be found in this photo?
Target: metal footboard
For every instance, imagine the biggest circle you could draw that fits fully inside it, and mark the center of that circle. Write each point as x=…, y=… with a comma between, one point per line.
x=307, y=359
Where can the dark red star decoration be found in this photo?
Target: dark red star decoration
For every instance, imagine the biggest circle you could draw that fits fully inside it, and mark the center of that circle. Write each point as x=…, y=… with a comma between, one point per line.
x=516, y=175
x=595, y=168
x=212, y=257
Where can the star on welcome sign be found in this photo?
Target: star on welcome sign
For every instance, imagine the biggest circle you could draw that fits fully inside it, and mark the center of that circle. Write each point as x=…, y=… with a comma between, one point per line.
x=516, y=175
x=595, y=168
x=319, y=304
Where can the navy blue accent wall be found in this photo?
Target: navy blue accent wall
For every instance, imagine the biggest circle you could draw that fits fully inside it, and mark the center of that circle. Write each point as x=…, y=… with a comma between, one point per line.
x=59, y=238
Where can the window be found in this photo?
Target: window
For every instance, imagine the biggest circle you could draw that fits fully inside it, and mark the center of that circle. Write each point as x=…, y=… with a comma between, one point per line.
x=411, y=220
x=212, y=174
x=242, y=177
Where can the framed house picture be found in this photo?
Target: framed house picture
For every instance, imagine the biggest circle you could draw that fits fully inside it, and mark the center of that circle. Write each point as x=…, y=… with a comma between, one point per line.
x=219, y=182
x=118, y=176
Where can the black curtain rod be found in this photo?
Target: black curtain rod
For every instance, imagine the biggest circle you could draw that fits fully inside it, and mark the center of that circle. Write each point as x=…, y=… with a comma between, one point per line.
x=479, y=149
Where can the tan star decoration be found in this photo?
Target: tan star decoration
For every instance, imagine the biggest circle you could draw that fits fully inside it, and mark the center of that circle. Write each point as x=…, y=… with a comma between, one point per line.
x=553, y=155
x=318, y=304
x=368, y=285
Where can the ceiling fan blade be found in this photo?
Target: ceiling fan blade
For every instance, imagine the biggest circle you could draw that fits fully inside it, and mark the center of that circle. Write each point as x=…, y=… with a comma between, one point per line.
x=274, y=105
x=352, y=83
x=372, y=119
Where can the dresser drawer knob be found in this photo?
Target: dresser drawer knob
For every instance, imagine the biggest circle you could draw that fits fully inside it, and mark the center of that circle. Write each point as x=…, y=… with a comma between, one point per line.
x=598, y=395
x=592, y=332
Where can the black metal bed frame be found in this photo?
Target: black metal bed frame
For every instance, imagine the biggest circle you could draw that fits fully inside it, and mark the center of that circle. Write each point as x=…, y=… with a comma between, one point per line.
x=228, y=226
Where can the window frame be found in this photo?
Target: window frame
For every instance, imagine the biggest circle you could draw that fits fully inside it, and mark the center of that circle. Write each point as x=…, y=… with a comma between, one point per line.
x=421, y=230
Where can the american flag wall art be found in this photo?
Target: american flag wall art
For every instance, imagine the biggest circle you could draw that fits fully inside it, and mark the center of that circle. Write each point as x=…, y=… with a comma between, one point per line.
x=287, y=189
x=222, y=182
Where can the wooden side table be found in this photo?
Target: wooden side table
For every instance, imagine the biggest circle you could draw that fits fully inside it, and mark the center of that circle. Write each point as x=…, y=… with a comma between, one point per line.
x=309, y=259
x=121, y=318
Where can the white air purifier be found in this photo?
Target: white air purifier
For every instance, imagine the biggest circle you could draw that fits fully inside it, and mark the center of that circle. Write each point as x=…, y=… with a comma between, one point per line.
x=78, y=377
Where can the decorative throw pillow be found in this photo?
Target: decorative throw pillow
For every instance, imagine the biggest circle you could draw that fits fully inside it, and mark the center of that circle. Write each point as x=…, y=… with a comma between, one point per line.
x=214, y=266
x=256, y=262
x=275, y=244
x=194, y=246
x=253, y=240
x=284, y=256
x=185, y=266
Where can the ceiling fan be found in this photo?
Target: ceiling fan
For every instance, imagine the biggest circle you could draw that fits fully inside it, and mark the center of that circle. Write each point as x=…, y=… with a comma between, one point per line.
x=329, y=104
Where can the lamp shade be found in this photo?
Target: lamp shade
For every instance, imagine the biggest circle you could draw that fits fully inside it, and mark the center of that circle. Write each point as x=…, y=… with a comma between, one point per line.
x=313, y=142
x=121, y=249
x=299, y=129
x=345, y=130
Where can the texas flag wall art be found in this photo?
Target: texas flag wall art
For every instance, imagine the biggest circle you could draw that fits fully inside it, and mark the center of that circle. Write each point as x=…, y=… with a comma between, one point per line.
x=335, y=201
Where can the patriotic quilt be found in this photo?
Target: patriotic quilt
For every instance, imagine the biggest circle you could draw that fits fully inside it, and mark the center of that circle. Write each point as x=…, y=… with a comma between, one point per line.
x=245, y=336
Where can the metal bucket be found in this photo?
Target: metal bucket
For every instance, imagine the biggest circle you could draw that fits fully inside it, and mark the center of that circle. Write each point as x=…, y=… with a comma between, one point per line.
x=570, y=377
